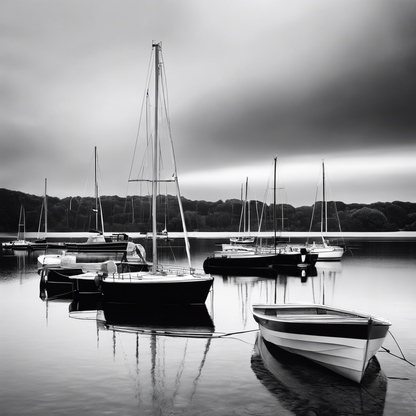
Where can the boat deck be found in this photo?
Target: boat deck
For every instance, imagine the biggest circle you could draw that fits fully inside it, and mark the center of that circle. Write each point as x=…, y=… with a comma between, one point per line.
x=321, y=318
x=312, y=314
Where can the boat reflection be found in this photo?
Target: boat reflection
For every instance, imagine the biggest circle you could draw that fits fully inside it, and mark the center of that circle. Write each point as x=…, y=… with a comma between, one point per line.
x=164, y=348
x=182, y=320
x=275, y=271
x=55, y=292
x=255, y=289
x=86, y=304
x=304, y=387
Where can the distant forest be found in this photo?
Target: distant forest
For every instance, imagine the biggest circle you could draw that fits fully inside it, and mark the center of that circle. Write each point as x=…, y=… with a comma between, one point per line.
x=132, y=214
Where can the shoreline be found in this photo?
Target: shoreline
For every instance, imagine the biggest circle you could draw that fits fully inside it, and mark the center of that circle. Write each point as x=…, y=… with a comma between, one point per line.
x=362, y=236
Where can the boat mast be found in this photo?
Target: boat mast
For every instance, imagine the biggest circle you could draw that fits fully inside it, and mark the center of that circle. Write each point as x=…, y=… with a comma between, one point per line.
x=324, y=220
x=22, y=223
x=247, y=209
x=96, y=188
x=274, y=203
x=242, y=210
x=46, y=207
x=155, y=157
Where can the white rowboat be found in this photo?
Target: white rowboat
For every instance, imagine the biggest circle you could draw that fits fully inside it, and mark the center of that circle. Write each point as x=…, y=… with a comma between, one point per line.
x=341, y=340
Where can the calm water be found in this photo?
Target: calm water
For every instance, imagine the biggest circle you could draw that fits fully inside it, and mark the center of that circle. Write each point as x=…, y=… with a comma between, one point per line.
x=59, y=356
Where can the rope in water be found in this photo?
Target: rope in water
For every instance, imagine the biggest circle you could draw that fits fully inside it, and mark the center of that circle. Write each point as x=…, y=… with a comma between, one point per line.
x=394, y=355
x=183, y=334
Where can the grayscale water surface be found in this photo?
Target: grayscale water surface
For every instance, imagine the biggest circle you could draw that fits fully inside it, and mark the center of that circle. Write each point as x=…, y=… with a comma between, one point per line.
x=58, y=356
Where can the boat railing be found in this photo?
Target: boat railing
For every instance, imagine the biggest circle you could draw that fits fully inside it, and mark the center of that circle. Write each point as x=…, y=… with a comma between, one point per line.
x=161, y=271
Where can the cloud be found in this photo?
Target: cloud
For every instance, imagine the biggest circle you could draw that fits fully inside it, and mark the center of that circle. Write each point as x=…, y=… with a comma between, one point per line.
x=246, y=80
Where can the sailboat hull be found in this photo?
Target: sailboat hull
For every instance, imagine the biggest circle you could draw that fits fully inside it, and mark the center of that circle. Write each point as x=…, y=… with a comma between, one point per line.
x=170, y=290
x=223, y=262
x=17, y=245
x=97, y=247
x=328, y=253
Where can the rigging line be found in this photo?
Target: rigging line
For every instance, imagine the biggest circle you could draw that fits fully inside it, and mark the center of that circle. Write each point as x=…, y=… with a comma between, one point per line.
x=242, y=209
x=318, y=182
x=100, y=182
x=89, y=170
x=175, y=176
x=144, y=165
x=126, y=361
x=205, y=354
x=179, y=372
x=266, y=194
x=164, y=79
x=313, y=213
x=263, y=209
x=335, y=206
x=148, y=76
x=40, y=218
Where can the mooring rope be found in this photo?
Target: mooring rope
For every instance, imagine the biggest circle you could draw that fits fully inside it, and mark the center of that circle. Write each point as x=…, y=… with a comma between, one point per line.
x=60, y=295
x=168, y=333
x=394, y=355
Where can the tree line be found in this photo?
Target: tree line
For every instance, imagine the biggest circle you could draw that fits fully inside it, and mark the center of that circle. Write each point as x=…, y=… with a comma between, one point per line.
x=133, y=214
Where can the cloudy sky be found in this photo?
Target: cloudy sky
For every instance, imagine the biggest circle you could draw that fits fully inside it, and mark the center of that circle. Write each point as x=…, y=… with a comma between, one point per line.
x=247, y=79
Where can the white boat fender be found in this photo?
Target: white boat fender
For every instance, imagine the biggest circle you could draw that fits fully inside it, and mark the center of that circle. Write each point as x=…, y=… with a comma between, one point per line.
x=97, y=280
x=303, y=254
x=108, y=267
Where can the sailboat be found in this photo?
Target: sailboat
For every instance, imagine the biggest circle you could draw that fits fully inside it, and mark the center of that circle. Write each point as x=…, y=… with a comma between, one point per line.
x=258, y=258
x=246, y=238
x=20, y=243
x=97, y=241
x=325, y=251
x=41, y=243
x=162, y=284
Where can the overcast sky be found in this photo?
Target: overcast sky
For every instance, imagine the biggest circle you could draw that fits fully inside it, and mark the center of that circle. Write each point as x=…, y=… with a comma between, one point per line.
x=247, y=79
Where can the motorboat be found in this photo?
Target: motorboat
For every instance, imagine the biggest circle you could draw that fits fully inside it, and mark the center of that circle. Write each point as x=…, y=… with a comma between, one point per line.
x=243, y=259
x=98, y=242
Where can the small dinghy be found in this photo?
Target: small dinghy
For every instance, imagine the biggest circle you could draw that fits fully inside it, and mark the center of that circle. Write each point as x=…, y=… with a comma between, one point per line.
x=341, y=340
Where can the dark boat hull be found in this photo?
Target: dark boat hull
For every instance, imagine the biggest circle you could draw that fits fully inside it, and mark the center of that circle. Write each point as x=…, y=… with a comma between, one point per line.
x=40, y=244
x=97, y=247
x=174, y=293
x=60, y=277
x=157, y=317
x=256, y=263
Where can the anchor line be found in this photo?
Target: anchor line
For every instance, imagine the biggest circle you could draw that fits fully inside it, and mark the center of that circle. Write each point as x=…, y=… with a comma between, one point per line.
x=394, y=355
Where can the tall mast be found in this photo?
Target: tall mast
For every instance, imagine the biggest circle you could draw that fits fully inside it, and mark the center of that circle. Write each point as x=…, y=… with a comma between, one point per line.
x=274, y=202
x=95, y=188
x=155, y=157
x=21, y=224
x=246, y=211
x=242, y=209
x=324, y=207
x=46, y=207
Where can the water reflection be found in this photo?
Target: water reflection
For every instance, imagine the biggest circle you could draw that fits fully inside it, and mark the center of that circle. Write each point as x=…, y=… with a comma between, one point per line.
x=304, y=387
x=288, y=285
x=176, y=320
x=54, y=291
x=164, y=348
